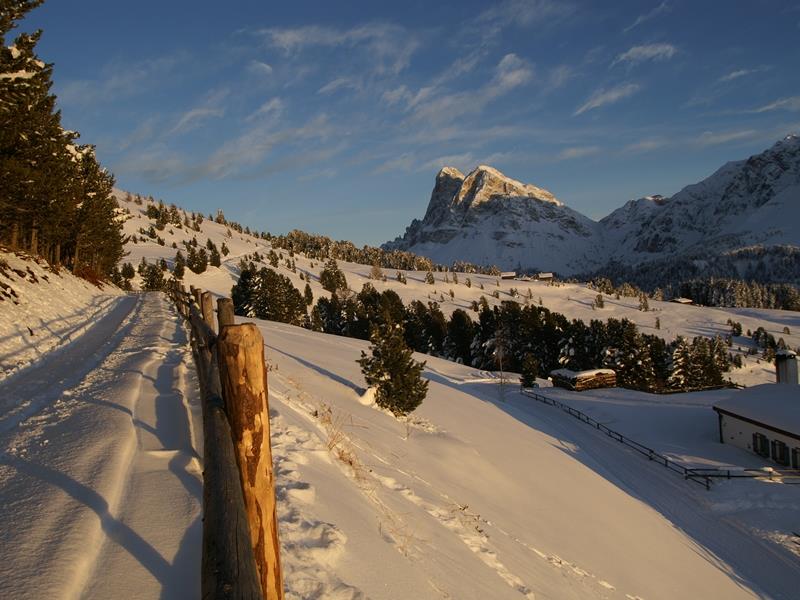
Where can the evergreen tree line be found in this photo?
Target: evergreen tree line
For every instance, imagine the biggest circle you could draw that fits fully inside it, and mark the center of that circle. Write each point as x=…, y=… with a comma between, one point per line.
x=320, y=247
x=55, y=198
x=753, y=277
x=509, y=337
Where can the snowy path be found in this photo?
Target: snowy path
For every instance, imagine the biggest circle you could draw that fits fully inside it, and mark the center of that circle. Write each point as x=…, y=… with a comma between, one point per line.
x=100, y=488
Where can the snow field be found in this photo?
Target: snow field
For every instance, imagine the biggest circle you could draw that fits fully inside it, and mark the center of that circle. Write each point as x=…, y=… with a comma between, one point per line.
x=575, y=301
x=480, y=497
x=41, y=310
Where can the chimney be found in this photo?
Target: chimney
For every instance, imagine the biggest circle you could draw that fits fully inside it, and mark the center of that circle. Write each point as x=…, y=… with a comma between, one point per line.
x=786, y=367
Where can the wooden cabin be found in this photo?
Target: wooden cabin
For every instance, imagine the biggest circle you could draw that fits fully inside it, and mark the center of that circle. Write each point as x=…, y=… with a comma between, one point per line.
x=583, y=380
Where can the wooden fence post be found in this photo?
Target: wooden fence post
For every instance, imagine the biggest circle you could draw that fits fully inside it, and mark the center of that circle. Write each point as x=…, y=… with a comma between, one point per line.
x=225, y=312
x=207, y=309
x=243, y=375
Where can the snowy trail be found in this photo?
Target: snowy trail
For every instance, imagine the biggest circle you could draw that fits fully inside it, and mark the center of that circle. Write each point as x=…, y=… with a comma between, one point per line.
x=100, y=488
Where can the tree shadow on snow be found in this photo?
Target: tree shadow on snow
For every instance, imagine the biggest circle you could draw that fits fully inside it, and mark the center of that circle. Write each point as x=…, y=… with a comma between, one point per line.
x=772, y=573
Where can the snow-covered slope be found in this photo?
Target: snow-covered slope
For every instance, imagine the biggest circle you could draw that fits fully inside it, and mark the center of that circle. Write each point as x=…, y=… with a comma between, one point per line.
x=488, y=494
x=42, y=309
x=488, y=218
x=575, y=301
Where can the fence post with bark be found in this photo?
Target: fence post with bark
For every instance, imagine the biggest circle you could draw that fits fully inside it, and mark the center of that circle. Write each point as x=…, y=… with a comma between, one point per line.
x=241, y=552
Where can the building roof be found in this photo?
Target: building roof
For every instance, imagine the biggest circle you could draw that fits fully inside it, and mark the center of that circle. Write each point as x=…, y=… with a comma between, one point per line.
x=773, y=405
x=570, y=374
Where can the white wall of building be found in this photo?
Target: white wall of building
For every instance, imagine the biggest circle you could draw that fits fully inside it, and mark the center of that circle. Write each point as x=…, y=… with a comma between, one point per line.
x=740, y=433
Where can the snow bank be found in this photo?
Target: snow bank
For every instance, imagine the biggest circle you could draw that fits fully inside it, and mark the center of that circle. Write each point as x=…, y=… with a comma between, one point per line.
x=41, y=309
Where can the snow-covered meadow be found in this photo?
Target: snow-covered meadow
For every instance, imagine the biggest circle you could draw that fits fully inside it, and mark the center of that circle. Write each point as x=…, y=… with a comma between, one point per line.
x=575, y=301
x=481, y=492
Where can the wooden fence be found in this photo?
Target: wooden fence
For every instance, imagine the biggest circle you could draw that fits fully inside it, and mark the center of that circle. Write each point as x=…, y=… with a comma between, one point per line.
x=241, y=553
x=688, y=474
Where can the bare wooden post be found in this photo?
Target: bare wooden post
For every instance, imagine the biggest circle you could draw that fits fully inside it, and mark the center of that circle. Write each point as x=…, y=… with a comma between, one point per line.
x=207, y=308
x=225, y=312
x=197, y=293
x=243, y=375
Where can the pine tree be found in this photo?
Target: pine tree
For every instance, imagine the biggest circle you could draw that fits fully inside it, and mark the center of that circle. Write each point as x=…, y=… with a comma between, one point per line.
x=308, y=295
x=392, y=371
x=530, y=371
x=331, y=278
x=376, y=272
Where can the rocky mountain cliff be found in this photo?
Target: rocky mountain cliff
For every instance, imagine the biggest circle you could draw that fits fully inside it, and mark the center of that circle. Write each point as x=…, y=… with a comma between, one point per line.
x=486, y=217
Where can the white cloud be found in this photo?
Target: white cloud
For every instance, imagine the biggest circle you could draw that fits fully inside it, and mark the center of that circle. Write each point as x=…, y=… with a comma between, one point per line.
x=389, y=46
x=338, y=84
x=272, y=107
x=520, y=13
x=662, y=8
x=577, y=152
x=559, y=76
x=428, y=104
x=735, y=75
x=645, y=145
x=792, y=103
x=193, y=118
x=463, y=162
x=120, y=81
x=602, y=97
x=639, y=54
x=709, y=138
x=397, y=95
x=404, y=162
x=260, y=68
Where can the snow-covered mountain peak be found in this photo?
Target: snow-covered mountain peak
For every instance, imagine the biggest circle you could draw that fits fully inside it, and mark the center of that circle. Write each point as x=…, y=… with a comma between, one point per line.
x=485, y=183
x=450, y=172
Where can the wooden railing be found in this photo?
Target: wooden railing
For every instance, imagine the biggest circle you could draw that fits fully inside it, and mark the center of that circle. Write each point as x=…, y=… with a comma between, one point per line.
x=688, y=474
x=241, y=553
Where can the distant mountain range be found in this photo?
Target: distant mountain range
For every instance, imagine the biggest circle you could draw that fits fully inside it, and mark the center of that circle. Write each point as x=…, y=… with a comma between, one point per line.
x=745, y=210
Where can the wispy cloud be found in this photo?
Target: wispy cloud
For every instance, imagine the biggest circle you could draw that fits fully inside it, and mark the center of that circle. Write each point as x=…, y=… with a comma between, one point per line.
x=560, y=75
x=647, y=145
x=736, y=75
x=522, y=13
x=340, y=83
x=603, y=97
x=463, y=162
x=389, y=46
x=430, y=105
x=791, y=103
x=119, y=81
x=662, y=8
x=195, y=117
x=640, y=54
x=272, y=107
x=403, y=162
x=260, y=68
x=577, y=152
x=709, y=138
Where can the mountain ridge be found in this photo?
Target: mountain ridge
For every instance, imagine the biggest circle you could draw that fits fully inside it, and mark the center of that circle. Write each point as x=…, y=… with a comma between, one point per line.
x=486, y=217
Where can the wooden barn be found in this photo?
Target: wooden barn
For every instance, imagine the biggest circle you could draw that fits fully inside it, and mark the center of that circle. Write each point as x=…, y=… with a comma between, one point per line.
x=583, y=380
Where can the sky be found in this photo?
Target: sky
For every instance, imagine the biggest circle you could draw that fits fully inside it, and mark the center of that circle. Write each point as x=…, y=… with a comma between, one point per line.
x=334, y=117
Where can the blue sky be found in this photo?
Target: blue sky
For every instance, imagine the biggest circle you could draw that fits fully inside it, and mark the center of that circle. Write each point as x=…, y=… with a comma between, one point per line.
x=334, y=117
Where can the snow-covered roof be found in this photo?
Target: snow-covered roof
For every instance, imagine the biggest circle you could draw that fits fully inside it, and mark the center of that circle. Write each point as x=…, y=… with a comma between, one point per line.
x=570, y=374
x=771, y=404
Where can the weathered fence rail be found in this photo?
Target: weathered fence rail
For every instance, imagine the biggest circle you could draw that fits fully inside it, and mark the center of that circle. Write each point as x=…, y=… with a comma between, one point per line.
x=241, y=554
x=688, y=474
